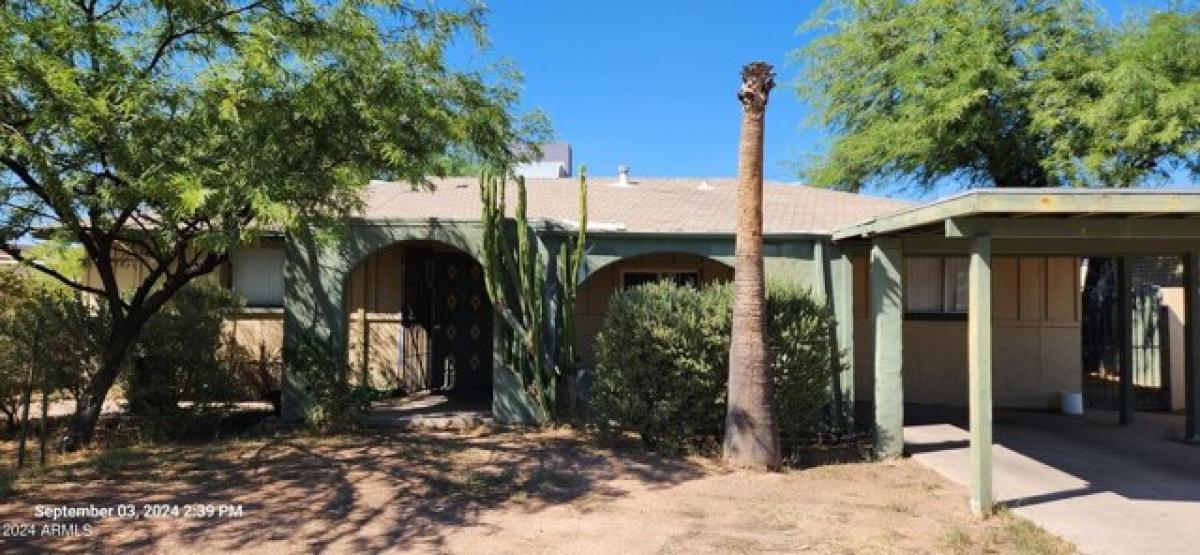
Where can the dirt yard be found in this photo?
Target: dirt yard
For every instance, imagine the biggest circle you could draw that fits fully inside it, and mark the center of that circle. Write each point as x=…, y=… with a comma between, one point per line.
x=495, y=492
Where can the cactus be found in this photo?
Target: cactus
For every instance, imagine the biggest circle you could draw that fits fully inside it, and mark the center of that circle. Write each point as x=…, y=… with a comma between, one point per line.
x=515, y=276
x=571, y=257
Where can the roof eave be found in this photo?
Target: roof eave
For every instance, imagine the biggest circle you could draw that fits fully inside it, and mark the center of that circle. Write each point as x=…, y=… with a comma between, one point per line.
x=1027, y=202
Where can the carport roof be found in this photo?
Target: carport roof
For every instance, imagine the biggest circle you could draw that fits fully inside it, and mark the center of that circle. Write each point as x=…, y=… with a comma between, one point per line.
x=983, y=210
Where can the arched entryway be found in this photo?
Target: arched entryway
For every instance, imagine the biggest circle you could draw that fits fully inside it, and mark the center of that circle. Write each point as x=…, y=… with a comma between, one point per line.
x=419, y=319
x=594, y=293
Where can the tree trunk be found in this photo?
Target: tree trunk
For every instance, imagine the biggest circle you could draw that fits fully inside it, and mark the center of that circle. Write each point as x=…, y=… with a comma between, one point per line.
x=27, y=394
x=45, y=429
x=751, y=430
x=26, y=398
x=89, y=405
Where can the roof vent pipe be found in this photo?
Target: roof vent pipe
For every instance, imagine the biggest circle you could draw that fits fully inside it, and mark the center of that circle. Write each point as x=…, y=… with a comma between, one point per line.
x=622, y=177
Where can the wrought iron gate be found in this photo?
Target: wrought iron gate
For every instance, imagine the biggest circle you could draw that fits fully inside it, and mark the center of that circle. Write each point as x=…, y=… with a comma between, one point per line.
x=1151, y=349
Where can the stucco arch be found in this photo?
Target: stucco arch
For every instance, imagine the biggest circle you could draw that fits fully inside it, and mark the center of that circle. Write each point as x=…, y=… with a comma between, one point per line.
x=597, y=289
x=604, y=251
x=315, y=283
x=398, y=317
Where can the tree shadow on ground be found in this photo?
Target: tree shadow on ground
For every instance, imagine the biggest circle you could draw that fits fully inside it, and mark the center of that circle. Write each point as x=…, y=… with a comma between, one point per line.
x=355, y=493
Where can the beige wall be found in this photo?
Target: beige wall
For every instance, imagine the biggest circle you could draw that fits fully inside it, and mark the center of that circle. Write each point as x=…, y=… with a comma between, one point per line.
x=595, y=292
x=257, y=333
x=1173, y=299
x=1036, y=339
x=258, y=340
x=375, y=291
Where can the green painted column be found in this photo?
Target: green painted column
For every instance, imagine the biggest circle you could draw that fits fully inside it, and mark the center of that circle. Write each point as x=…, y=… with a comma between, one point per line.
x=887, y=314
x=979, y=368
x=1126, y=397
x=1191, y=346
x=842, y=294
x=821, y=273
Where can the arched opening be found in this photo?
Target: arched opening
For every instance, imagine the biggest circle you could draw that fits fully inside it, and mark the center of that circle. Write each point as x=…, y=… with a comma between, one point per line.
x=595, y=292
x=419, y=320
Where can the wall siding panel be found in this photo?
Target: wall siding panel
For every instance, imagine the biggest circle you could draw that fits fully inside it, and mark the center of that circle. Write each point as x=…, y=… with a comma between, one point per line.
x=1036, y=339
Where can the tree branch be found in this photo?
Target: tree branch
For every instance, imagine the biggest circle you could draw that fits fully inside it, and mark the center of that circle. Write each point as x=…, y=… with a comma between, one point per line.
x=171, y=36
x=17, y=255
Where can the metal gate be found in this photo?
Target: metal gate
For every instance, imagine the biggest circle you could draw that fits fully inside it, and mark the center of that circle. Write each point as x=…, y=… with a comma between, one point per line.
x=1151, y=349
x=447, y=320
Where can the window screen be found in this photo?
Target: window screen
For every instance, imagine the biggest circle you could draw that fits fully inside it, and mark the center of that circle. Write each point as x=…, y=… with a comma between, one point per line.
x=955, y=284
x=257, y=275
x=936, y=285
x=923, y=284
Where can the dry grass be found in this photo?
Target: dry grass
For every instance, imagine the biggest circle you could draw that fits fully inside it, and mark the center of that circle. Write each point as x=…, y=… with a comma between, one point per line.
x=507, y=492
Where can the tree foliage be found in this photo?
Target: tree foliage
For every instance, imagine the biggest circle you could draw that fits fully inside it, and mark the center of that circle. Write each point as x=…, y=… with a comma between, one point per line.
x=1131, y=114
x=1028, y=93
x=168, y=132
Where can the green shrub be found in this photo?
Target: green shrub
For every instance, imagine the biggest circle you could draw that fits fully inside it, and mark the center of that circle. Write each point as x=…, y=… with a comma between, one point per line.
x=802, y=363
x=332, y=404
x=48, y=330
x=662, y=360
x=659, y=365
x=177, y=359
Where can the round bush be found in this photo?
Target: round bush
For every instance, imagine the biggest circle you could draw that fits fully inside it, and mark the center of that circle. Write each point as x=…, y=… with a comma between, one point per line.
x=662, y=358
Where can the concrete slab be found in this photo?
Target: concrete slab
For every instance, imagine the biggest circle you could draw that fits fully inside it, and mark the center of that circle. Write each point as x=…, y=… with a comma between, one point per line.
x=432, y=411
x=1105, y=488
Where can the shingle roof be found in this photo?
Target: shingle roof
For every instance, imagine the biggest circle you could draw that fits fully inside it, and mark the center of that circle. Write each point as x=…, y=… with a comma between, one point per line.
x=652, y=205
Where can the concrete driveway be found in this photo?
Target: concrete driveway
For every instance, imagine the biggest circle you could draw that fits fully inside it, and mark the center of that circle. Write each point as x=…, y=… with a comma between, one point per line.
x=1105, y=488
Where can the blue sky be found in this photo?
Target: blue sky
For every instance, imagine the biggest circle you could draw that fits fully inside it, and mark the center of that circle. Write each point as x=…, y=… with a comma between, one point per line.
x=651, y=83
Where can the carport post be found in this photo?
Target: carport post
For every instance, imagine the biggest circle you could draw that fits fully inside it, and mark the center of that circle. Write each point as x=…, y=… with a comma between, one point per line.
x=1125, y=341
x=979, y=368
x=1191, y=345
x=887, y=306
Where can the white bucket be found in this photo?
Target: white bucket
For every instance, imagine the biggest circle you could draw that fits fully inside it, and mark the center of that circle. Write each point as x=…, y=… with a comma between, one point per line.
x=1072, y=402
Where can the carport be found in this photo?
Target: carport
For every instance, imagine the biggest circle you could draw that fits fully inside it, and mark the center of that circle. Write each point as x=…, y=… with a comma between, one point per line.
x=984, y=223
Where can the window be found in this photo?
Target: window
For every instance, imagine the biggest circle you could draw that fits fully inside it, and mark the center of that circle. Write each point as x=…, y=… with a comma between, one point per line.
x=636, y=278
x=257, y=275
x=935, y=285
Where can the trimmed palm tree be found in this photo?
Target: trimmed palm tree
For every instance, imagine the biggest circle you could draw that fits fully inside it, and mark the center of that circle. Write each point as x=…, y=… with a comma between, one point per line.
x=751, y=430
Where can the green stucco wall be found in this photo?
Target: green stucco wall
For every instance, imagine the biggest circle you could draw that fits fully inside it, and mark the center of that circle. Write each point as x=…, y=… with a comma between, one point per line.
x=317, y=270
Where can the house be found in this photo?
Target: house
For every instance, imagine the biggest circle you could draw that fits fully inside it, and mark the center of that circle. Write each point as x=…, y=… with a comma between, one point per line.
x=973, y=300
x=970, y=300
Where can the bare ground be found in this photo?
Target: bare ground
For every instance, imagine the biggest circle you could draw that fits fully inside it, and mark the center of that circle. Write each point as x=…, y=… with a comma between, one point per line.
x=502, y=492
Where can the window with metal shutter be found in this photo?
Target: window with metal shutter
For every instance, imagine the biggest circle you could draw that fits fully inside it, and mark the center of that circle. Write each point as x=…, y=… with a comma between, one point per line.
x=257, y=275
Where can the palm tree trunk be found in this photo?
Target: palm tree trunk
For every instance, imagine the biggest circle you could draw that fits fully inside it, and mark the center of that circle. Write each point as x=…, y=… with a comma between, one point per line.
x=751, y=430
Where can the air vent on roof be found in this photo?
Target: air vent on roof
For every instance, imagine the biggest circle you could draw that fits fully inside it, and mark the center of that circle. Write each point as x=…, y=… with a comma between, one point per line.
x=705, y=186
x=623, y=177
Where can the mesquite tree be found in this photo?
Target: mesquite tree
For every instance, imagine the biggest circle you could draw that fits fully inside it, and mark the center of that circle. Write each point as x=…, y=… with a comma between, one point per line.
x=168, y=132
x=1024, y=93
x=751, y=431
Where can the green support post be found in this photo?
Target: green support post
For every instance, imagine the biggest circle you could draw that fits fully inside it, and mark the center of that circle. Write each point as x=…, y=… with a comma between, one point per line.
x=979, y=367
x=887, y=306
x=842, y=274
x=1126, y=397
x=1191, y=349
